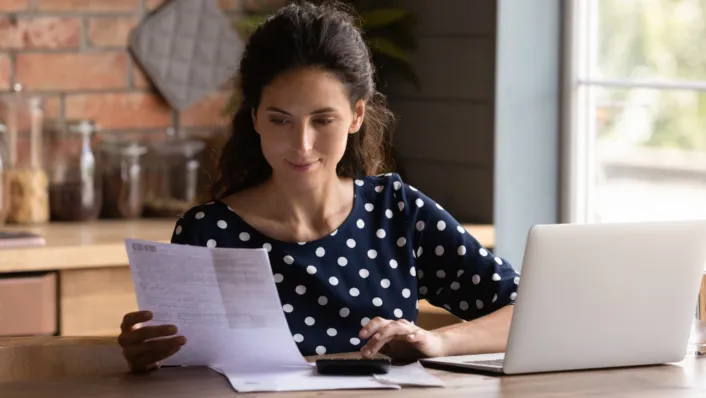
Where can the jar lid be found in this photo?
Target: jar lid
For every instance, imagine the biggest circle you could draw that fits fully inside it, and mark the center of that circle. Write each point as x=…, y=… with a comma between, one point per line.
x=82, y=126
x=125, y=148
x=184, y=147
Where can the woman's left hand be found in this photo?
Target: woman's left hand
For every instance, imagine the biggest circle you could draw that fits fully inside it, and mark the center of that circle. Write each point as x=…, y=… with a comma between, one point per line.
x=400, y=339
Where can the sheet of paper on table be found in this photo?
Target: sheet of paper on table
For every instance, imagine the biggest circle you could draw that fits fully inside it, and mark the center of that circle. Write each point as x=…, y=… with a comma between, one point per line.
x=225, y=302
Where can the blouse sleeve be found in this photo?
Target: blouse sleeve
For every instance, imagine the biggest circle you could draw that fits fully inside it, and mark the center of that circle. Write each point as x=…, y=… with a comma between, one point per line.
x=454, y=270
x=185, y=232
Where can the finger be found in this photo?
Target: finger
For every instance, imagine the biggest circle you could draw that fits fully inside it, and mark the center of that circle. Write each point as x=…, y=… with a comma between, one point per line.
x=155, y=347
x=373, y=326
x=133, y=318
x=149, y=360
x=142, y=334
x=383, y=336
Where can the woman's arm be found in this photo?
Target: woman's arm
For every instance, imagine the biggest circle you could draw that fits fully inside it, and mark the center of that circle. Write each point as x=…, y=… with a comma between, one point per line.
x=483, y=335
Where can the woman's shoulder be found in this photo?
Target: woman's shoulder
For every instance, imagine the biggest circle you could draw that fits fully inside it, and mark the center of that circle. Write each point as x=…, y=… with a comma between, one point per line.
x=198, y=223
x=388, y=186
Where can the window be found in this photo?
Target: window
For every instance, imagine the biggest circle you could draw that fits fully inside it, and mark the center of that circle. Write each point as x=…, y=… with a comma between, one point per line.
x=635, y=138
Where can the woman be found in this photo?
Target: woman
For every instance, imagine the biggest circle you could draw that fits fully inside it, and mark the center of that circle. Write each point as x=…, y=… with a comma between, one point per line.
x=351, y=250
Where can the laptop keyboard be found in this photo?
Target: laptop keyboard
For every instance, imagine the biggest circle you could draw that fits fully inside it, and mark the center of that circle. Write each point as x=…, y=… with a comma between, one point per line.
x=491, y=362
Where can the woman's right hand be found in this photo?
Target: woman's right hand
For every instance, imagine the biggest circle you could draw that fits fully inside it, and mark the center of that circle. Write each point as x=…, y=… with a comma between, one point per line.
x=143, y=355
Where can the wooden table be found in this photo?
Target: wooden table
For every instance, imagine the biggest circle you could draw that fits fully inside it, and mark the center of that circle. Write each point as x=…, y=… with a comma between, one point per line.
x=685, y=379
x=94, y=283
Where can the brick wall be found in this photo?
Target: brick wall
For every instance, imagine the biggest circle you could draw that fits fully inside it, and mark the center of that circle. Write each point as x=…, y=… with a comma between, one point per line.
x=74, y=53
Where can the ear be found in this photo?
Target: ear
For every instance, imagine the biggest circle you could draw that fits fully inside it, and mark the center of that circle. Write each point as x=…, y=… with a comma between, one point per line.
x=358, y=117
x=254, y=119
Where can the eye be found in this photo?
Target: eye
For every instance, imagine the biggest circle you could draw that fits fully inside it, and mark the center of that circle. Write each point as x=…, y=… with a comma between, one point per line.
x=324, y=122
x=277, y=121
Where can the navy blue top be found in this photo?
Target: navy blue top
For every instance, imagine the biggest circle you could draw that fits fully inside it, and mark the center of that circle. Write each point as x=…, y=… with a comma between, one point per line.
x=396, y=246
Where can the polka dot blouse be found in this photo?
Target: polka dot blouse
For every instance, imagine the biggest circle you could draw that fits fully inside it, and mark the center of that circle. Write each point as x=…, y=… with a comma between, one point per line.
x=397, y=246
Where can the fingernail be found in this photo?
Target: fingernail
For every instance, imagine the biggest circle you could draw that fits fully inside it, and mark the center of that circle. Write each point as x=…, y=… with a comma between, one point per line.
x=412, y=336
x=363, y=333
x=366, y=352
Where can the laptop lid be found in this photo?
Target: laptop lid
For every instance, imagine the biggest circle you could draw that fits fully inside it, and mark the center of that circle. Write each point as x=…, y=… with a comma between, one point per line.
x=606, y=295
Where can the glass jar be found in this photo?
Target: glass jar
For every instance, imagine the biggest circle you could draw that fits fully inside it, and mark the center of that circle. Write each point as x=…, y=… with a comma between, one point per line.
x=4, y=181
x=174, y=181
x=22, y=115
x=123, y=179
x=75, y=192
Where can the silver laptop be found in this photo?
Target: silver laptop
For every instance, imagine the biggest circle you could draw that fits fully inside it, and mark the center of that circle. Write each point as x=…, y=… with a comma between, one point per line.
x=599, y=296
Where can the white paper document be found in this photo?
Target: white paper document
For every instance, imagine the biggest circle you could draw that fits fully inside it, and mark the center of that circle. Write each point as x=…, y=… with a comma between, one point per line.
x=225, y=302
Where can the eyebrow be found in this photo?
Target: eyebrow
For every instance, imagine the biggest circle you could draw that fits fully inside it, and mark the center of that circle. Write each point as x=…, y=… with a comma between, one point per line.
x=316, y=112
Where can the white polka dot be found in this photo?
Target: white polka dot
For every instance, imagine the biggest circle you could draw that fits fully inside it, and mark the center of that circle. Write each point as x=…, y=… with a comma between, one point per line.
x=482, y=252
x=267, y=247
x=350, y=243
x=359, y=183
x=420, y=274
x=513, y=296
x=354, y=292
x=278, y=278
x=496, y=277
x=178, y=230
x=448, y=307
x=244, y=236
x=364, y=321
x=393, y=264
x=363, y=273
x=460, y=229
x=385, y=283
x=400, y=205
x=413, y=271
x=517, y=280
x=423, y=290
x=438, y=206
x=379, y=188
x=321, y=350
x=463, y=305
x=416, y=305
x=342, y=261
x=301, y=289
x=222, y=224
x=199, y=215
x=344, y=312
x=419, y=202
x=369, y=207
x=441, y=225
x=360, y=224
x=334, y=233
x=440, y=274
x=401, y=242
x=461, y=250
x=498, y=260
x=309, y=321
x=479, y=304
x=298, y=338
x=455, y=286
x=412, y=188
x=406, y=293
x=475, y=279
x=495, y=298
x=439, y=290
x=381, y=233
x=320, y=252
x=311, y=270
x=331, y=332
x=288, y=308
x=439, y=251
x=420, y=251
x=355, y=341
x=420, y=226
x=301, y=243
x=211, y=243
x=388, y=213
x=372, y=254
x=398, y=313
x=397, y=185
x=289, y=260
x=333, y=281
x=459, y=273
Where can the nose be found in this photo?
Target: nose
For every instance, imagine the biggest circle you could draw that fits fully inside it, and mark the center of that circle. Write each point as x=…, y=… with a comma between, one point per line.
x=303, y=137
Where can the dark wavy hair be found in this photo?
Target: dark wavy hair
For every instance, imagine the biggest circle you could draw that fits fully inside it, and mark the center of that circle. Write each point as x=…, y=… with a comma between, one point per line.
x=302, y=35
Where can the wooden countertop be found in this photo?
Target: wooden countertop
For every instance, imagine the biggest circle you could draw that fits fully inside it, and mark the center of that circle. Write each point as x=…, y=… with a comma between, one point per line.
x=101, y=243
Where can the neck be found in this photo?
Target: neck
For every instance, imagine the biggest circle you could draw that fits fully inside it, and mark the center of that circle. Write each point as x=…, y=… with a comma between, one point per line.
x=311, y=206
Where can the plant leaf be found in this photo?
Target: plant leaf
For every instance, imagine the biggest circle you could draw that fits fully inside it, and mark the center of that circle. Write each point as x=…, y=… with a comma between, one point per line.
x=251, y=22
x=382, y=17
x=387, y=47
